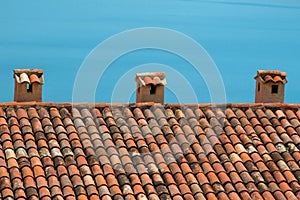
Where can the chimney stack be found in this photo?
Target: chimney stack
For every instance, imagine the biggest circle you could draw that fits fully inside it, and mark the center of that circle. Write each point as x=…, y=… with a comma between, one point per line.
x=270, y=86
x=28, y=85
x=150, y=87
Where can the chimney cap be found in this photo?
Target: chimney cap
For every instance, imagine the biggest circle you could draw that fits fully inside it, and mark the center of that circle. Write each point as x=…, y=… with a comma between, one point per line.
x=29, y=71
x=29, y=76
x=154, y=78
x=274, y=76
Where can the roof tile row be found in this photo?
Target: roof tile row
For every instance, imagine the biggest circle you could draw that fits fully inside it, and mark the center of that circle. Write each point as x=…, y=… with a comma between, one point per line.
x=158, y=152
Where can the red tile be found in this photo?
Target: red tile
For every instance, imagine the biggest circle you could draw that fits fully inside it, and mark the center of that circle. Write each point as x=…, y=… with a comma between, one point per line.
x=21, y=113
x=289, y=177
x=235, y=177
x=223, y=177
x=44, y=193
x=12, y=162
x=235, y=158
x=26, y=172
x=242, y=156
x=240, y=167
x=284, y=187
x=68, y=192
x=20, y=194
x=233, y=195
x=229, y=148
x=29, y=182
x=245, y=157
x=245, y=196
x=202, y=178
x=279, y=195
x=256, y=195
x=268, y=195
x=295, y=186
x=211, y=196
x=7, y=193
x=289, y=195
x=213, y=178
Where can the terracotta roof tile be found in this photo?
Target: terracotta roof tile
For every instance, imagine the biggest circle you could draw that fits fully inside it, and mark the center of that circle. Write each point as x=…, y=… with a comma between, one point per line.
x=156, y=78
x=119, y=152
x=273, y=76
x=29, y=76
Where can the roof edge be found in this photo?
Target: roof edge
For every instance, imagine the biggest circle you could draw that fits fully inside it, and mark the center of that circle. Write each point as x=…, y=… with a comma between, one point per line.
x=146, y=104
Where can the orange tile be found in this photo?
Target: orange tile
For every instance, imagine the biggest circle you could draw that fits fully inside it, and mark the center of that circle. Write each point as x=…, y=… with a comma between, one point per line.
x=95, y=149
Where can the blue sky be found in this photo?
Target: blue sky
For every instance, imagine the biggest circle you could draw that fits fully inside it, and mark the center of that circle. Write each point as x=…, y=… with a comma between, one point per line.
x=240, y=36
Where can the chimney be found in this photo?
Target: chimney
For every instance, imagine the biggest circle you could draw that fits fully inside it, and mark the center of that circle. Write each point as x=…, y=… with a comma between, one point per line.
x=270, y=86
x=150, y=87
x=28, y=85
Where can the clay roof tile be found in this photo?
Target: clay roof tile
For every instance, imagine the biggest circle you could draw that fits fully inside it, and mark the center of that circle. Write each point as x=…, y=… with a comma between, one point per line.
x=22, y=78
x=35, y=79
x=155, y=78
x=268, y=78
x=277, y=79
x=148, y=80
x=29, y=76
x=67, y=151
x=272, y=76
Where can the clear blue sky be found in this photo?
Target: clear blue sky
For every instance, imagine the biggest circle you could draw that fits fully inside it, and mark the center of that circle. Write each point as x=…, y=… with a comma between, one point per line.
x=241, y=36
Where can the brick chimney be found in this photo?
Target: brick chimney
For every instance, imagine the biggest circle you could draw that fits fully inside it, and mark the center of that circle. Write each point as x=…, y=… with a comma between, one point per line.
x=270, y=86
x=150, y=87
x=28, y=85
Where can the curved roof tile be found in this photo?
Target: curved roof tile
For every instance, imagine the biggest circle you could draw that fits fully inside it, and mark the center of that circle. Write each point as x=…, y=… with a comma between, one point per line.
x=61, y=151
x=277, y=79
x=148, y=80
x=272, y=76
x=34, y=78
x=154, y=78
x=29, y=76
x=23, y=78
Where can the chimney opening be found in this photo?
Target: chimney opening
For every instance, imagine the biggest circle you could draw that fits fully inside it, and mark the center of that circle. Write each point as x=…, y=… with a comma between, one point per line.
x=29, y=87
x=274, y=89
x=152, y=89
x=258, y=87
x=138, y=89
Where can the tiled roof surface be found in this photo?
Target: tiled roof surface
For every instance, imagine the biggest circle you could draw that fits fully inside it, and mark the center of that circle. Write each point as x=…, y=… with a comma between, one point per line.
x=143, y=151
x=154, y=78
x=272, y=76
x=29, y=76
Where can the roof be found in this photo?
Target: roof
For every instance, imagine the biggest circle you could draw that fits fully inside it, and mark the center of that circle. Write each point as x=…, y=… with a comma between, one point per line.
x=149, y=151
x=29, y=76
x=271, y=76
x=151, y=78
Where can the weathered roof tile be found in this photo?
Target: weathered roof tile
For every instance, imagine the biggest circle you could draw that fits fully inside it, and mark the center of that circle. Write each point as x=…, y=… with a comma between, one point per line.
x=273, y=76
x=177, y=153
